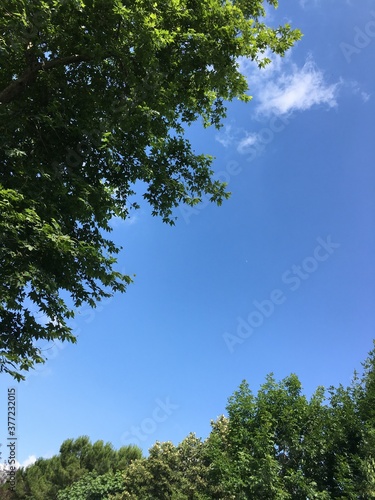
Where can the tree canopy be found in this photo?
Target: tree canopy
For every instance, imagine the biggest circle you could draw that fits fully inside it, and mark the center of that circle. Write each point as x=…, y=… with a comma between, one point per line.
x=77, y=459
x=94, y=98
x=277, y=444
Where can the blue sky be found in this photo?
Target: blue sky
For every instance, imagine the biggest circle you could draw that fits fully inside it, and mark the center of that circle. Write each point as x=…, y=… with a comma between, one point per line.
x=279, y=279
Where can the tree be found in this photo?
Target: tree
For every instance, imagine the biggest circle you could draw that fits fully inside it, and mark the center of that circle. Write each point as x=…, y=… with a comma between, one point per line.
x=363, y=391
x=169, y=473
x=278, y=445
x=251, y=447
x=94, y=98
x=94, y=487
x=93, y=468
x=273, y=445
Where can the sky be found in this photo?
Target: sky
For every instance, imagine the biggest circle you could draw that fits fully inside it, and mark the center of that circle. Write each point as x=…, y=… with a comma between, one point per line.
x=279, y=279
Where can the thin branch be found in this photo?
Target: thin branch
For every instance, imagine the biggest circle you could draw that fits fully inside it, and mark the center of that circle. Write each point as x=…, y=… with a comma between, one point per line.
x=15, y=89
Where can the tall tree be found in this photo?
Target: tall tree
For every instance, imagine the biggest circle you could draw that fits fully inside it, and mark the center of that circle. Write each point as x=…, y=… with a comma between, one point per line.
x=363, y=390
x=78, y=462
x=273, y=445
x=94, y=96
x=278, y=445
x=169, y=472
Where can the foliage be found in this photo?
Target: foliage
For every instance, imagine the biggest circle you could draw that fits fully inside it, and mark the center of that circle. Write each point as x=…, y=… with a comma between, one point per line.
x=170, y=472
x=94, y=487
x=94, y=98
x=79, y=462
x=278, y=445
x=273, y=445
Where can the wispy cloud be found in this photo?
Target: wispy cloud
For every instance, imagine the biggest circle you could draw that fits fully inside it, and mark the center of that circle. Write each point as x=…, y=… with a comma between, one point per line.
x=283, y=87
x=303, y=3
x=356, y=90
x=299, y=90
x=238, y=137
x=256, y=76
x=226, y=136
x=279, y=90
x=29, y=461
x=365, y=97
x=246, y=142
x=129, y=221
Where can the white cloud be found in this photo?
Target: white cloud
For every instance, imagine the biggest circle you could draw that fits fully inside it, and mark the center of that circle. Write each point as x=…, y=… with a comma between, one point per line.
x=225, y=137
x=29, y=461
x=257, y=76
x=132, y=219
x=296, y=90
x=237, y=137
x=356, y=90
x=248, y=141
x=282, y=87
x=118, y=221
x=279, y=89
x=365, y=96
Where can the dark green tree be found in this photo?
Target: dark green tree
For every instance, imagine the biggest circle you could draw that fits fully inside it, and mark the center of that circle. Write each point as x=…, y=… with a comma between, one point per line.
x=273, y=445
x=93, y=466
x=279, y=445
x=94, y=98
